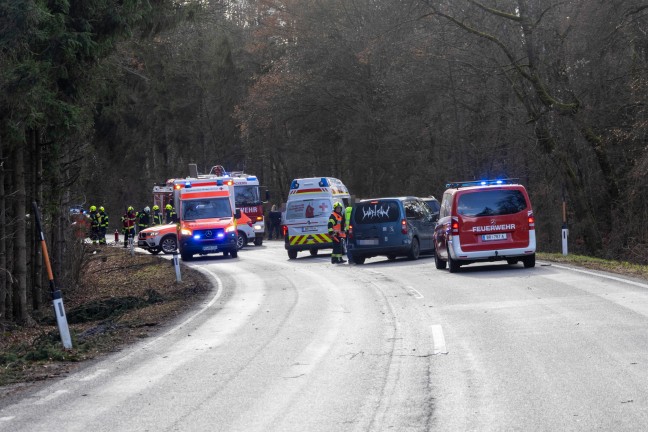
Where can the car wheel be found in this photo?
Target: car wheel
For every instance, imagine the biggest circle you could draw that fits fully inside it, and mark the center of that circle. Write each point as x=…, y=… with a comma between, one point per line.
x=292, y=254
x=225, y=253
x=438, y=262
x=529, y=261
x=241, y=240
x=168, y=244
x=186, y=256
x=415, y=249
x=258, y=241
x=391, y=257
x=453, y=265
x=357, y=259
x=234, y=254
x=511, y=261
x=314, y=252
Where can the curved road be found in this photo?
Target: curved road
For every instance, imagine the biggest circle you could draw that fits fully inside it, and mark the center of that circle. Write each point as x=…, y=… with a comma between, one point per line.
x=303, y=345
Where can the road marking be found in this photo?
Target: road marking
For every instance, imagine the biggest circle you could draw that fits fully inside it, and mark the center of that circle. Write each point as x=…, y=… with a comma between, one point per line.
x=618, y=279
x=413, y=292
x=7, y=418
x=438, y=341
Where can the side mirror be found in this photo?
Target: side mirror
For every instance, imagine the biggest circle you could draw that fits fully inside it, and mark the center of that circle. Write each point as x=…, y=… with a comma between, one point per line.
x=237, y=214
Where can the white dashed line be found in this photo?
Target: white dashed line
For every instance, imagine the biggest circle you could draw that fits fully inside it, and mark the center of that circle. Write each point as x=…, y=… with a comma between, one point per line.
x=438, y=341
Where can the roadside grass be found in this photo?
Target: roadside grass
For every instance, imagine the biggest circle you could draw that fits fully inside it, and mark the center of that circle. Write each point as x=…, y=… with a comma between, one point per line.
x=120, y=298
x=619, y=267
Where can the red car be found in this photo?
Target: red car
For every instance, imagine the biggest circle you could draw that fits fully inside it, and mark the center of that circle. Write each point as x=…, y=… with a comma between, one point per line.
x=485, y=221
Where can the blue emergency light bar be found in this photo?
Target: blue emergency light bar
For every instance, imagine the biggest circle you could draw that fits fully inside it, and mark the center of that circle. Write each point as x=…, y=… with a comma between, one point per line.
x=294, y=185
x=188, y=184
x=496, y=182
x=251, y=179
x=324, y=182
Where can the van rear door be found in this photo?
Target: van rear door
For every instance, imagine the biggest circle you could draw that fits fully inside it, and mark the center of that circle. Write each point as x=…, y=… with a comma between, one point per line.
x=491, y=219
x=377, y=223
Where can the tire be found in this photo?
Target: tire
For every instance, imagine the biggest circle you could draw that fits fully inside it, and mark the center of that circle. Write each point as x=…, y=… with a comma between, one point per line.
x=241, y=240
x=314, y=252
x=453, y=265
x=415, y=250
x=168, y=244
x=258, y=241
x=391, y=257
x=226, y=253
x=529, y=261
x=438, y=262
x=186, y=256
x=511, y=261
x=357, y=259
x=292, y=254
x=234, y=254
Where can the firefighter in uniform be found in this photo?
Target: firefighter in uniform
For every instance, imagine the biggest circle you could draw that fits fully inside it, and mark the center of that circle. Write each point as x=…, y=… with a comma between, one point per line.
x=170, y=214
x=128, y=224
x=336, y=231
x=143, y=219
x=103, y=226
x=95, y=224
x=156, y=217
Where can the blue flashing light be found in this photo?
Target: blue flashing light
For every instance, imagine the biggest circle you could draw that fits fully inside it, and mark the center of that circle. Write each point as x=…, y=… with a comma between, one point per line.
x=461, y=184
x=196, y=237
x=219, y=182
x=324, y=182
x=251, y=179
x=220, y=235
x=188, y=184
x=294, y=185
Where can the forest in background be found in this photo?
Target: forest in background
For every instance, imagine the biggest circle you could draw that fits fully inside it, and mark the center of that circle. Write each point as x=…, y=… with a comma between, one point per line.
x=101, y=99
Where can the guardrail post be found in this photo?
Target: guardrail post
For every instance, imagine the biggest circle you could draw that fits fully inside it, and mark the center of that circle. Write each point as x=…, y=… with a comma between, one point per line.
x=176, y=264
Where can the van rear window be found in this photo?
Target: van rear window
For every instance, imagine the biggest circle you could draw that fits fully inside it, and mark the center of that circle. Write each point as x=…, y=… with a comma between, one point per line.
x=306, y=209
x=491, y=202
x=376, y=212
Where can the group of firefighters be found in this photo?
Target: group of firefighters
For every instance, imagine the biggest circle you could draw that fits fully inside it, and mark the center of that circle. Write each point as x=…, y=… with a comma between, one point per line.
x=130, y=221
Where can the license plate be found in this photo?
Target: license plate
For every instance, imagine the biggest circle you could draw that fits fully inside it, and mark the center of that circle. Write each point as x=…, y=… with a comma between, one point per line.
x=210, y=248
x=309, y=229
x=488, y=237
x=369, y=242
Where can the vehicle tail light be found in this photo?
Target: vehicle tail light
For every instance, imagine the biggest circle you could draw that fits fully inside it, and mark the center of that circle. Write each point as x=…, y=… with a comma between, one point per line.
x=531, y=220
x=350, y=231
x=284, y=230
x=404, y=226
x=259, y=218
x=455, y=225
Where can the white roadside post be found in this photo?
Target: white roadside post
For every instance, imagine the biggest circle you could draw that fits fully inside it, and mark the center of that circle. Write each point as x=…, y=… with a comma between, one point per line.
x=565, y=230
x=176, y=264
x=57, y=297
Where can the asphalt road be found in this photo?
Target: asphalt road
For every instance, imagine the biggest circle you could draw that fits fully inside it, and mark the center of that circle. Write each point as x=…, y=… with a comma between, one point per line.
x=303, y=345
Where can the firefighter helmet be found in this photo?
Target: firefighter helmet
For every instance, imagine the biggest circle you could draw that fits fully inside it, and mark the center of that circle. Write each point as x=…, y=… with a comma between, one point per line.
x=93, y=208
x=156, y=207
x=147, y=209
x=169, y=207
x=130, y=208
x=101, y=209
x=336, y=205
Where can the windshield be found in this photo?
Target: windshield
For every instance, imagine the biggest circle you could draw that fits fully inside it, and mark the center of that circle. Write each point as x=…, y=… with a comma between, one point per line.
x=246, y=195
x=491, y=203
x=308, y=209
x=206, y=208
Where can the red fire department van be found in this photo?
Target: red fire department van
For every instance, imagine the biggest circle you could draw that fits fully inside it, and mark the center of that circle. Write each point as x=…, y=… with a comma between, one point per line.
x=485, y=221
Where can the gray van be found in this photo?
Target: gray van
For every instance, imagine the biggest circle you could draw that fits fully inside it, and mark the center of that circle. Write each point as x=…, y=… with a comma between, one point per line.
x=398, y=226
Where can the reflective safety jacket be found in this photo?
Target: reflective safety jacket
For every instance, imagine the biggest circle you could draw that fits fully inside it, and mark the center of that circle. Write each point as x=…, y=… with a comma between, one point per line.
x=157, y=218
x=142, y=220
x=171, y=216
x=336, y=225
x=128, y=222
x=104, y=219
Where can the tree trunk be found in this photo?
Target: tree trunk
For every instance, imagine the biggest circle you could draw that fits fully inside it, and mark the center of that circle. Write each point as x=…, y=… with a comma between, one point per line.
x=37, y=257
x=4, y=271
x=20, y=246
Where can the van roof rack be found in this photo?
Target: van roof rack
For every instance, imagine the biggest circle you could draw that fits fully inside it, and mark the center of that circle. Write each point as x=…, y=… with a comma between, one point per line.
x=495, y=182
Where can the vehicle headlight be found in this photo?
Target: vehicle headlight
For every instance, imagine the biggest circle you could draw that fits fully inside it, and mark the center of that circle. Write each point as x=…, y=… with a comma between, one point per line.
x=186, y=231
x=258, y=227
x=230, y=228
